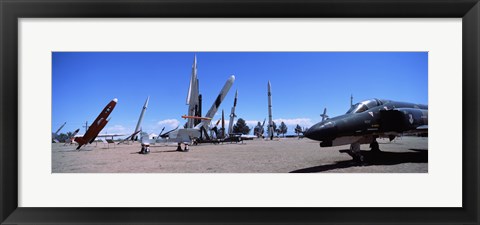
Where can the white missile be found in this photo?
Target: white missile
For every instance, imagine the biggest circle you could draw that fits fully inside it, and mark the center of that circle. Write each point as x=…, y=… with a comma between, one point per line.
x=192, y=96
x=232, y=114
x=270, y=122
x=54, y=135
x=216, y=104
x=137, y=128
x=60, y=128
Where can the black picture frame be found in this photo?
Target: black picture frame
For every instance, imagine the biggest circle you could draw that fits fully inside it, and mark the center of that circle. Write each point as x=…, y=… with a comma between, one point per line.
x=11, y=11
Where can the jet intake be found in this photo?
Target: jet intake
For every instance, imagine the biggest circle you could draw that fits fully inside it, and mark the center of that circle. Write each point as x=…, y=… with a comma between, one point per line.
x=402, y=119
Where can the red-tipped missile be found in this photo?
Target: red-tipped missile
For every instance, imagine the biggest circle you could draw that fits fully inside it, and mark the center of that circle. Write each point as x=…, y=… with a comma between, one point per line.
x=97, y=125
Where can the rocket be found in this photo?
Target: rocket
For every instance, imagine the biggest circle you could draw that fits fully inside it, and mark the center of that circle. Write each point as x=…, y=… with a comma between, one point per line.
x=222, y=129
x=192, y=96
x=97, y=126
x=71, y=137
x=223, y=120
x=270, y=122
x=214, y=108
x=137, y=128
x=232, y=114
x=198, y=110
x=60, y=128
x=54, y=135
x=351, y=100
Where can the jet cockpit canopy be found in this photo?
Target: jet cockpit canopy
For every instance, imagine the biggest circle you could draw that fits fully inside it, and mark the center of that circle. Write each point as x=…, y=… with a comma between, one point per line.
x=364, y=106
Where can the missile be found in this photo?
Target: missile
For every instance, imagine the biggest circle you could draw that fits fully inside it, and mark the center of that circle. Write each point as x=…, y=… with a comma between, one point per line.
x=54, y=135
x=222, y=130
x=223, y=120
x=71, y=137
x=137, y=128
x=199, y=111
x=97, y=126
x=351, y=100
x=211, y=112
x=192, y=96
x=74, y=133
x=232, y=114
x=193, y=80
x=270, y=122
x=60, y=128
x=161, y=131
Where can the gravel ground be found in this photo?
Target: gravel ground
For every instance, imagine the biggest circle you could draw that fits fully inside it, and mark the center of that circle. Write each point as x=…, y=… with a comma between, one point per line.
x=283, y=155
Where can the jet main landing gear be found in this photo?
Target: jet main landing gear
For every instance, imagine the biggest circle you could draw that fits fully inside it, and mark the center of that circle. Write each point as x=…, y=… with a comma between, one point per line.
x=374, y=146
x=145, y=149
x=179, y=148
x=355, y=152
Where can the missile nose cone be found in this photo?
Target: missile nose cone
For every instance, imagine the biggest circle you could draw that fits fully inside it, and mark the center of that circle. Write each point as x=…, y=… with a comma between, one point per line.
x=231, y=79
x=115, y=100
x=146, y=102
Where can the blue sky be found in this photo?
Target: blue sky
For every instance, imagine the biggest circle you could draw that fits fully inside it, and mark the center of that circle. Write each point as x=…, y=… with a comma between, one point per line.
x=303, y=84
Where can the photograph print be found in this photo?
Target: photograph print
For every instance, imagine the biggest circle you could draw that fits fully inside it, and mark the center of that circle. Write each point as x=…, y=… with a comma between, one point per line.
x=239, y=112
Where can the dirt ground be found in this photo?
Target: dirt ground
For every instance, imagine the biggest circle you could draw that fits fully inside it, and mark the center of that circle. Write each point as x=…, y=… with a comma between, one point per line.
x=282, y=155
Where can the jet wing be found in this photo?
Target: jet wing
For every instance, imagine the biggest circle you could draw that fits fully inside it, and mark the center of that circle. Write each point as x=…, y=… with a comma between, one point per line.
x=424, y=127
x=110, y=135
x=166, y=134
x=130, y=136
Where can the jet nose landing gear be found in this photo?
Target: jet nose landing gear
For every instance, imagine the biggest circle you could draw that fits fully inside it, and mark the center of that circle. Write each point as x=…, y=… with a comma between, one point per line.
x=179, y=148
x=355, y=153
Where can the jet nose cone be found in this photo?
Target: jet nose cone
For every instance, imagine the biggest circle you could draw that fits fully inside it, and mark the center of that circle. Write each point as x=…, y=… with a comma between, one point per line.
x=321, y=131
x=309, y=133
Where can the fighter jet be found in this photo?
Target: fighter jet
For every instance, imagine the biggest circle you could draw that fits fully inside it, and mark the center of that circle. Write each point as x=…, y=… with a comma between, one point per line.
x=97, y=126
x=368, y=120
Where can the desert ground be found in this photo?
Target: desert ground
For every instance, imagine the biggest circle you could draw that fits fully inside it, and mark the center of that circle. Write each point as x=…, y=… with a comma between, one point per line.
x=281, y=155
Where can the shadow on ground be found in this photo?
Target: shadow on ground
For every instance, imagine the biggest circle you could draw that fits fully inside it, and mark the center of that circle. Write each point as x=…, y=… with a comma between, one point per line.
x=373, y=159
x=154, y=152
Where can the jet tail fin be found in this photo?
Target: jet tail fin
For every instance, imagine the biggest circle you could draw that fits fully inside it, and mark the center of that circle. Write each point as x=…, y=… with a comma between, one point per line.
x=324, y=115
